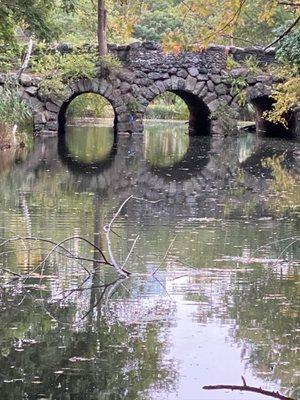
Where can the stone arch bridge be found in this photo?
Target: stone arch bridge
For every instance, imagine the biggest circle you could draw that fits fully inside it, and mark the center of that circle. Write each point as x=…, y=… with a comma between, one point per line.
x=201, y=79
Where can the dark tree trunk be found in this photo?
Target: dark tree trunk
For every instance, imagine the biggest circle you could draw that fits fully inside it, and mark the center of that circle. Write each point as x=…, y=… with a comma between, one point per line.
x=102, y=43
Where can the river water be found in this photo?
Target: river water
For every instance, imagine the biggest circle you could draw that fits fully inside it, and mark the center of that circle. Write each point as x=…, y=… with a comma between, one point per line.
x=214, y=288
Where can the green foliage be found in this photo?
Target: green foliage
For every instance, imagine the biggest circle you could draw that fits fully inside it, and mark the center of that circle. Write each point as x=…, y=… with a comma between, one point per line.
x=52, y=86
x=231, y=63
x=90, y=105
x=133, y=106
x=252, y=65
x=156, y=24
x=106, y=64
x=68, y=66
x=286, y=96
x=59, y=69
x=288, y=49
x=10, y=56
x=285, y=184
x=76, y=66
x=12, y=109
x=168, y=106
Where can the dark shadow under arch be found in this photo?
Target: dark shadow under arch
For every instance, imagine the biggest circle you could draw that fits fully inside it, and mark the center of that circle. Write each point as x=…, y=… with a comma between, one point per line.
x=62, y=114
x=194, y=161
x=199, y=118
x=199, y=121
x=270, y=129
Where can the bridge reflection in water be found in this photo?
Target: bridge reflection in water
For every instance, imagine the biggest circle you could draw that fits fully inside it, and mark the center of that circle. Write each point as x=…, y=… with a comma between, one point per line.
x=58, y=195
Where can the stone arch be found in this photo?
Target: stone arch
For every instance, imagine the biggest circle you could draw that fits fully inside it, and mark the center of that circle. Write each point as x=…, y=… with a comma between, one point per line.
x=84, y=86
x=199, y=120
x=265, y=103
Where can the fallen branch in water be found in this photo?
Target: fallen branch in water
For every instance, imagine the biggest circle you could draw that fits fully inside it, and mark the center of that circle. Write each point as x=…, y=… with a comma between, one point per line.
x=246, y=388
x=108, y=228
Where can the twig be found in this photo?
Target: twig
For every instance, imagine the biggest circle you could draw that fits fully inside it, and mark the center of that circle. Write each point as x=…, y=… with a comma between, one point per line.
x=286, y=32
x=108, y=228
x=246, y=388
x=165, y=256
x=130, y=252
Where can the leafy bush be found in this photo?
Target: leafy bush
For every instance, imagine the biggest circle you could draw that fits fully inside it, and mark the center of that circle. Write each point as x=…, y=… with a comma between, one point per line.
x=252, y=65
x=231, y=63
x=286, y=96
x=53, y=86
x=90, y=105
x=288, y=49
x=12, y=109
x=10, y=56
x=168, y=106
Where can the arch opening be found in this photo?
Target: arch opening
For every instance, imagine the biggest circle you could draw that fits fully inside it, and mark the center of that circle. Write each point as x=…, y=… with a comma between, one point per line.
x=199, y=118
x=270, y=129
x=182, y=105
x=86, y=109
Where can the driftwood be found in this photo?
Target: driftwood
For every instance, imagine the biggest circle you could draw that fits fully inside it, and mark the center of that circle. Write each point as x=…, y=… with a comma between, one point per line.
x=246, y=388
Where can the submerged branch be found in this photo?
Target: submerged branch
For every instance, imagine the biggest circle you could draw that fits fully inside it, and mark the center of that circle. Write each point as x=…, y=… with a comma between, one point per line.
x=246, y=388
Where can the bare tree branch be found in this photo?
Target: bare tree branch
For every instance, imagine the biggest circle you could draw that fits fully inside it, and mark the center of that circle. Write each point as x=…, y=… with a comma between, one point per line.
x=285, y=33
x=246, y=388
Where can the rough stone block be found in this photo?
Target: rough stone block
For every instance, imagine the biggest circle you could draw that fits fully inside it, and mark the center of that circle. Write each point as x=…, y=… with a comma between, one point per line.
x=108, y=92
x=103, y=86
x=210, y=97
x=216, y=79
x=221, y=89
x=52, y=107
x=154, y=89
x=191, y=83
x=237, y=72
x=202, y=77
x=158, y=75
x=124, y=127
x=127, y=76
x=182, y=73
x=31, y=90
x=39, y=118
x=161, y=86
x=51, y=116
x=174, y=82
x=125, y=87
x=213, y=105
x=181, y=84
x=95, y=85
x=26, y=80
x=210, y=86
x=193, y=71
x=198, y=88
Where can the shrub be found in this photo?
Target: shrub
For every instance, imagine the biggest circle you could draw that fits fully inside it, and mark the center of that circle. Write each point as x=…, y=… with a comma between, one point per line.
x=13, y=110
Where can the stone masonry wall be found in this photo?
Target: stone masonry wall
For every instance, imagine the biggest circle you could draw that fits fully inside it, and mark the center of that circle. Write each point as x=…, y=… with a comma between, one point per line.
x=201, y=79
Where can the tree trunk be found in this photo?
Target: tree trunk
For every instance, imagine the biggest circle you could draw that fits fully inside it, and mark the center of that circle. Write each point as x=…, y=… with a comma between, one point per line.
x=102, y=43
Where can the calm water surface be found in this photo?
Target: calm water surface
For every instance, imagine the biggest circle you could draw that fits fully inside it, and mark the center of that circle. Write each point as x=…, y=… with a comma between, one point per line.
x=214, y=291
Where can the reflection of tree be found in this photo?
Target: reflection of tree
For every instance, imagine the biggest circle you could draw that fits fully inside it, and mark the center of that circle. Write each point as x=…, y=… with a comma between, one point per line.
x=164, y=149
x=266, y=311
x=102, y=359
x=89, y=144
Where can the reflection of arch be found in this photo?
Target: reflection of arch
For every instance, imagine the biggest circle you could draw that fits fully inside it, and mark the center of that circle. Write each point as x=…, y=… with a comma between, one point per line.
x=79, y=167
x=199, y=121
x=265, y=103
x=253, y=164
x=195, y=159
x=75, y=93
